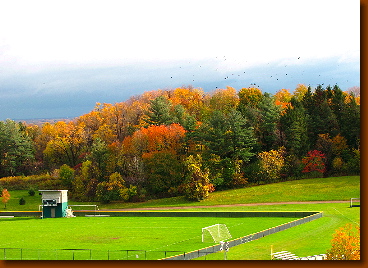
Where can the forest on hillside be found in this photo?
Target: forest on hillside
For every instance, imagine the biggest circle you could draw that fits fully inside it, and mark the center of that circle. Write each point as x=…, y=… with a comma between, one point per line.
x=184, y=141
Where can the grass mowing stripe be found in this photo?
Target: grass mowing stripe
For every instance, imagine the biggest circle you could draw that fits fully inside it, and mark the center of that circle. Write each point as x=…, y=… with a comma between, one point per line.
x=115, y=234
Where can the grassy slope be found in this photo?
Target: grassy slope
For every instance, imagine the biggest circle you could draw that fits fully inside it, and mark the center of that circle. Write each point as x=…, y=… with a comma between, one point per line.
x=334, y=188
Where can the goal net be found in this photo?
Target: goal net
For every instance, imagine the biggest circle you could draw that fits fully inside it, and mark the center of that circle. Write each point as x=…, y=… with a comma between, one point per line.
x=215, y=233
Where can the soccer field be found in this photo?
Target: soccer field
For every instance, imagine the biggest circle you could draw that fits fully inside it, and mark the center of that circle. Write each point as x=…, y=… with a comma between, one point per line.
x=113, y=237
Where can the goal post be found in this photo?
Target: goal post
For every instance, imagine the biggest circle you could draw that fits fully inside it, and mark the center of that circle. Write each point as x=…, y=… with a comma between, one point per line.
x=215, y=233
x=355, y=202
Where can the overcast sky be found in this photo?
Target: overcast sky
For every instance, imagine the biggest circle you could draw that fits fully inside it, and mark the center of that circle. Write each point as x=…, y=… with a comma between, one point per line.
x=58, y=58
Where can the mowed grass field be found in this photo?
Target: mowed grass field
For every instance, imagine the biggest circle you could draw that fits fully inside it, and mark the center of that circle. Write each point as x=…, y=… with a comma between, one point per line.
x=303, y=240
x=182, y=234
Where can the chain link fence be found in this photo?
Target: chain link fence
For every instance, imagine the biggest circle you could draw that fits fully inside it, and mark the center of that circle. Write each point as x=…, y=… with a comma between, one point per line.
x=245, y=239
x=82, y=254
x=92, y=254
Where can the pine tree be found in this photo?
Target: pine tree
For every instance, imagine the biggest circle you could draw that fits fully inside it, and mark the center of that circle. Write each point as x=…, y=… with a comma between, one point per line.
x=159, y=112
x=268, y=122
x=350, y=126
x=227, y=136
x=294, y=129
x=16, y=149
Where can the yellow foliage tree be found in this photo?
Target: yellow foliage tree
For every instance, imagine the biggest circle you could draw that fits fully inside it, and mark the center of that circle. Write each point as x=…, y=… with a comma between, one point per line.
x=272, y=163
x=251, y=96
x=224, y=99
x=66, y=142
x=198, y=184
x=345, y=244
x=300, y=91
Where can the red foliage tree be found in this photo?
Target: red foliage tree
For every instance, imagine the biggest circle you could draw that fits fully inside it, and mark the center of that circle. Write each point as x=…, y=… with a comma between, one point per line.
x=314, y=161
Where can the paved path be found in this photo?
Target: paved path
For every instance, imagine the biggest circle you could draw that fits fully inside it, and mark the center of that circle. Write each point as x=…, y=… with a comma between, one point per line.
x=232, y=205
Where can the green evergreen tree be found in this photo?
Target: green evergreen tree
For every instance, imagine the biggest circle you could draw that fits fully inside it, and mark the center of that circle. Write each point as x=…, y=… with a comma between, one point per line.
x=321, y=119
x=227, y=136
x=268, y=123
x=159, y=112
x=99, y=157
x=16, y=149
x=350, y=123
x=293, y=125
x=164, y=174
x=180, y=116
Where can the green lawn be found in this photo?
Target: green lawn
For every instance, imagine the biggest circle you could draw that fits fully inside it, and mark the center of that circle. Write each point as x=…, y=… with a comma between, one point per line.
x=304, y=240
x=182, y=234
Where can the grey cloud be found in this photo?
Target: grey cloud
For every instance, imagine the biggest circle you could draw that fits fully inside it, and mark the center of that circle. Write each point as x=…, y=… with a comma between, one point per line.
x=70, y=92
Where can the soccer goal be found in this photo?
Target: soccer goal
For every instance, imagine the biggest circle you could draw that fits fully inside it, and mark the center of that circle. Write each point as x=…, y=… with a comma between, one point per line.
x=215, y=233
x=354, y=202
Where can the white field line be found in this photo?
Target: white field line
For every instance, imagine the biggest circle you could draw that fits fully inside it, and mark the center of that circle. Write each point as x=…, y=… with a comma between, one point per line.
x=347, y=217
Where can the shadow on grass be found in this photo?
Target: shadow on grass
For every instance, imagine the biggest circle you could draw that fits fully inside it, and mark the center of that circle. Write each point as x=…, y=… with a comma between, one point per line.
x=18, y=219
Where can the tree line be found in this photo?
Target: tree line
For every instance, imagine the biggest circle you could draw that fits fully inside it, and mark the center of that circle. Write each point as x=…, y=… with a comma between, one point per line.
x=184, y=141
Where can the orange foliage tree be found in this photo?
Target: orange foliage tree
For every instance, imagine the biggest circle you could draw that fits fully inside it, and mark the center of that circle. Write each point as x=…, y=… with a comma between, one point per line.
x=190, y=98
x=5, y=197
x=282, y=99
x=345, y=244
x=155, y=138
x=158, y=147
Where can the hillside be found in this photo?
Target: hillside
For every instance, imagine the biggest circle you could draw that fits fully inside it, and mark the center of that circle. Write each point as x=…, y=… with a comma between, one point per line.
x=320, y=189
x=184, y=141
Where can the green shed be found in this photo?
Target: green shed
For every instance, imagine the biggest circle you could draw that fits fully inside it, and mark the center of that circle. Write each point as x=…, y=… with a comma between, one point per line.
x=54, y=203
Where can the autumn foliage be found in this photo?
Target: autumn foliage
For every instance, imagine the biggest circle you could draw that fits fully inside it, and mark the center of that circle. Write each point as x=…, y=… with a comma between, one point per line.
x=345, y=244
x=314, y=162
x=186, y=141
x=5, y=197
x=272, y=163
x=156, y=139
